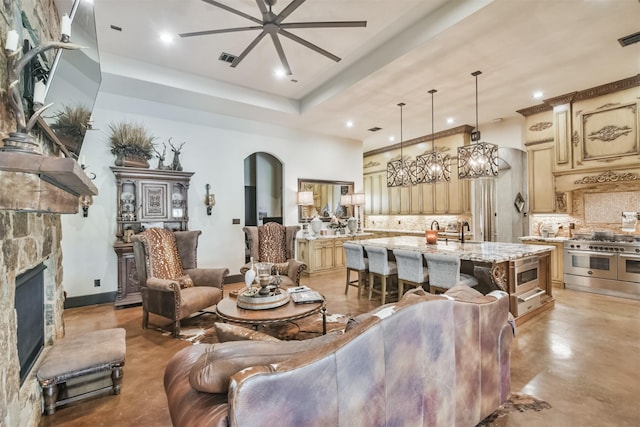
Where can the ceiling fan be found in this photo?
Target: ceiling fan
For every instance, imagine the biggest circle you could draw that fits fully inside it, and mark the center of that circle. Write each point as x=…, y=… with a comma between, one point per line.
x=272, y=25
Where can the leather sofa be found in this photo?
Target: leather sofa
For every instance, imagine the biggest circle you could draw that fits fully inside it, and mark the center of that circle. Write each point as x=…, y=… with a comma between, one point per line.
x=425, y=361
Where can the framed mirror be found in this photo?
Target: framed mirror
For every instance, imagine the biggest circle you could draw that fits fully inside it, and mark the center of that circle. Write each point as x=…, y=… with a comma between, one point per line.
x=326, y=199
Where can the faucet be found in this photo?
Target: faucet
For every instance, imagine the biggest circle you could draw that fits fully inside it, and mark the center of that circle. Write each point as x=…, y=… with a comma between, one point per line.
x=436, y=223
x=462, y=226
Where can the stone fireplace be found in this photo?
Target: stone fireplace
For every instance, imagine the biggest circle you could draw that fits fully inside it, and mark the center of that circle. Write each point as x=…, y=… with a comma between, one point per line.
x=28, y=240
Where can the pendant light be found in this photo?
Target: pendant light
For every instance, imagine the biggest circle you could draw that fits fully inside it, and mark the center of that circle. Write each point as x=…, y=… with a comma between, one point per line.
x=480, y=159
x=433, y=167
x=400, y=172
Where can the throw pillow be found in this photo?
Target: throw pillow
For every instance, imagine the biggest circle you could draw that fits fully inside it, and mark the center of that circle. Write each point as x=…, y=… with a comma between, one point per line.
x=163, y=259
x=272, y=237
x=464, y=293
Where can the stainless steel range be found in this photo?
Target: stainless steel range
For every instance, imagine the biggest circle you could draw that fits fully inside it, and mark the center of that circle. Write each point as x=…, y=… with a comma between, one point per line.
x=603, y=266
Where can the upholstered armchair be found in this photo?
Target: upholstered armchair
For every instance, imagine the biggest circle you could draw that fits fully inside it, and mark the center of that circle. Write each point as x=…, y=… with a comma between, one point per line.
x=275, y=243
x=171, y=284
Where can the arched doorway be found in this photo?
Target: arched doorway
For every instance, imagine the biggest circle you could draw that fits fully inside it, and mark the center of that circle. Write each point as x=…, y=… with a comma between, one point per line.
x=262, y=189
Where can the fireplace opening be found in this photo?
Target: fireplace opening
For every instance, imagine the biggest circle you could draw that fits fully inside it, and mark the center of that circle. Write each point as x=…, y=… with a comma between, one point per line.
x=29, y=305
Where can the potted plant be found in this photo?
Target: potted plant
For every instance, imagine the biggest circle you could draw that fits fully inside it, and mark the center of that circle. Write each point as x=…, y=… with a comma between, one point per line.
x=70, y=126
x=131, y=144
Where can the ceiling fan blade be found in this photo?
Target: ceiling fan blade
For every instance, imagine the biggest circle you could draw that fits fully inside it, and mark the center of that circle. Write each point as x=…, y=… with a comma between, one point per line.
x=324, y=24
x=263, y=8
x=232, y=10
x=248, y=49
x=225, y=30
x=280, y=50
x=309, y=45
x=288, y=10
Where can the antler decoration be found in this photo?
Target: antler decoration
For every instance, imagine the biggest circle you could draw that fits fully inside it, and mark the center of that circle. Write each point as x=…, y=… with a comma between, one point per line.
x=21, y=140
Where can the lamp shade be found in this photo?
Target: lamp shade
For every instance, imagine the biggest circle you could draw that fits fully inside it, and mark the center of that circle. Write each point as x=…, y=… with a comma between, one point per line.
x=358, y=199
x=346, y=200
x=305, y=198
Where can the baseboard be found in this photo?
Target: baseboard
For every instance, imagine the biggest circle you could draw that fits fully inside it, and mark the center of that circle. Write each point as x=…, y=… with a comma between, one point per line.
x=94, y=299
x=234, y=279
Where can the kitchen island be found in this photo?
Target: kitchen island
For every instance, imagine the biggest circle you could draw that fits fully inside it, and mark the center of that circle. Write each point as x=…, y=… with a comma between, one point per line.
x=523, y=271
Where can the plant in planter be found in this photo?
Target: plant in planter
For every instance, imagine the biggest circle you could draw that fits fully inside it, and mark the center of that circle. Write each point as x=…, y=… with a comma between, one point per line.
x=70, y=126
x=131, y=144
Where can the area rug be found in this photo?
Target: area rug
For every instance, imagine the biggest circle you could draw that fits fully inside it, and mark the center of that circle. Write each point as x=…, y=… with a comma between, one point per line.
x=519, y=402
x=200, y=329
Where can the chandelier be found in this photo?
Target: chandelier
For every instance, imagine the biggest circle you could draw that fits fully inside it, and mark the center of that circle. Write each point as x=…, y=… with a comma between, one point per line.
x=400, y=172
x=433, y=167
x=480, y=159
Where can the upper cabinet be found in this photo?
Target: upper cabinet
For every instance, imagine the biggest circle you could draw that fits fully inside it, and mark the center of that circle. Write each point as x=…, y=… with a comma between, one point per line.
x=580, y=139
x=451, y=197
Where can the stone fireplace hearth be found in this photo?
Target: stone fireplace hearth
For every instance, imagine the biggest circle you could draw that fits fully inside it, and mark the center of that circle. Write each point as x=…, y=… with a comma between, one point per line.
x=27, y=241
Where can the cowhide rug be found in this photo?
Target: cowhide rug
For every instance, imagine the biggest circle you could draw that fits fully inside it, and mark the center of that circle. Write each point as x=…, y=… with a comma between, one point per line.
x=519, y=402
x=200, y=329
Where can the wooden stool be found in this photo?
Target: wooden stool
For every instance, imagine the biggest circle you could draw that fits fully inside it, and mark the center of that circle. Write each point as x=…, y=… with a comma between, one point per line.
x=78, y=356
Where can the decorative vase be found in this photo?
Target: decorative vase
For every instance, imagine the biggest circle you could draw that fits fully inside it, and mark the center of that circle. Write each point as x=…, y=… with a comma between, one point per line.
x=316, y=225
x=352, y=225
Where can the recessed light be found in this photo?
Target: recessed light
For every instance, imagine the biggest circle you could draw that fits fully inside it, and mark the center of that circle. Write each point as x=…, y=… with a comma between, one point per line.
x=166, y=38
x=450, y=121
x=392, y=138
x=538, y=94
x=349, y=123
x=280, y=73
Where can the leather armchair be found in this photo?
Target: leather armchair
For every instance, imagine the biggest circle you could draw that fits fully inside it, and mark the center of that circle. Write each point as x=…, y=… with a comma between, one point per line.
x=167, y=297
x=270, y=253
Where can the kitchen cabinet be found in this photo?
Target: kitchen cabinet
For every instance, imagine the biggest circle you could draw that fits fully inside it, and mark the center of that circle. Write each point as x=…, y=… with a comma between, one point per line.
x=324, y=253
x=556, y=260
x=144, y=198
x=541, y=187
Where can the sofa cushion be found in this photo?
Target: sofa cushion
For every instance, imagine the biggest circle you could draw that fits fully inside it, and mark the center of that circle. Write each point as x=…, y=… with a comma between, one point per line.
x=466, y=293
x=272, y=237
x=163, y=260
x=212, y=371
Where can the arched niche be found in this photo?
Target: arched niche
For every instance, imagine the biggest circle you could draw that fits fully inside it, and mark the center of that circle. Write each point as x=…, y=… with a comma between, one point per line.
x=262, y=189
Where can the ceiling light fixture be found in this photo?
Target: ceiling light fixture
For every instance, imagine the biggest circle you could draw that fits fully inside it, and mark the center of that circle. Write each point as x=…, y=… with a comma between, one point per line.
x=538, y=94
x=280, y=73
x=349, y=124
x=450, y=121
x=166, y=38
x=433, y=167
x=400, y=172
x=480, y=159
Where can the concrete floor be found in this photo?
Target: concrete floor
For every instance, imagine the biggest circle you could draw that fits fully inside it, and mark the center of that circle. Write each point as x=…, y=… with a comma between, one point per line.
x=582, y=356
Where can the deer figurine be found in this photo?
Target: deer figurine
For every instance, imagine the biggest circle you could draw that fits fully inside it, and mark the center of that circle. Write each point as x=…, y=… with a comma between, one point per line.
x=161, y=157
x=175, y=165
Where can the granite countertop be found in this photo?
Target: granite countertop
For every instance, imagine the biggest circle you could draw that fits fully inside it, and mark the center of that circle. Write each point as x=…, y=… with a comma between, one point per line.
x=441, y=233
x=494, y=252
x=544, y=239
x=333, y=236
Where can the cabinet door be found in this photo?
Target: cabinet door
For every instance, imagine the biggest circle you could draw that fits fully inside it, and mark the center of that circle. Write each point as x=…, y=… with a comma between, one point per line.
x=428, y=200
x=155, y=201
x=367, y=183
x=416, y=199
x=541, y=187
x=458, y=198
x=339, y=258
x=441, y=196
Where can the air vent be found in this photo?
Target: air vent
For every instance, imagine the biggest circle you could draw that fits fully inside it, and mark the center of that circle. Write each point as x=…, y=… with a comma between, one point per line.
x=630, y=39
x=375, y=129
x=115, y=27
x=227, y=57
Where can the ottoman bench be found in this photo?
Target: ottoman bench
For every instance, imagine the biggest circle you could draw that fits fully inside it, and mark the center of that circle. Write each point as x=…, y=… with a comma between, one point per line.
x=81, y=355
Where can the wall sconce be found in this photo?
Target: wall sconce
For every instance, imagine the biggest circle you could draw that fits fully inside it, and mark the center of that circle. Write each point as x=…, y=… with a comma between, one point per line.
x=85, y=202
x=21, y=140
x=209, y=200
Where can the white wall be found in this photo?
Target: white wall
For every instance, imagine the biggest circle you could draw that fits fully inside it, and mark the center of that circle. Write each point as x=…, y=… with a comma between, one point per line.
x=215, y=149
x=507, y=133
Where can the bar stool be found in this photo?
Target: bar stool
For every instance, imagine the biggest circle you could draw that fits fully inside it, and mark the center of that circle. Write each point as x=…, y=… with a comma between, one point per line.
x=444, y=273
x=356, y=261
x=411, y=269
x=380, y=266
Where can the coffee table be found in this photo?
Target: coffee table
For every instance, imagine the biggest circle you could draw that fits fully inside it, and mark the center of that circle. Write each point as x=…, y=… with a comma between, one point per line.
x=229, y=311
